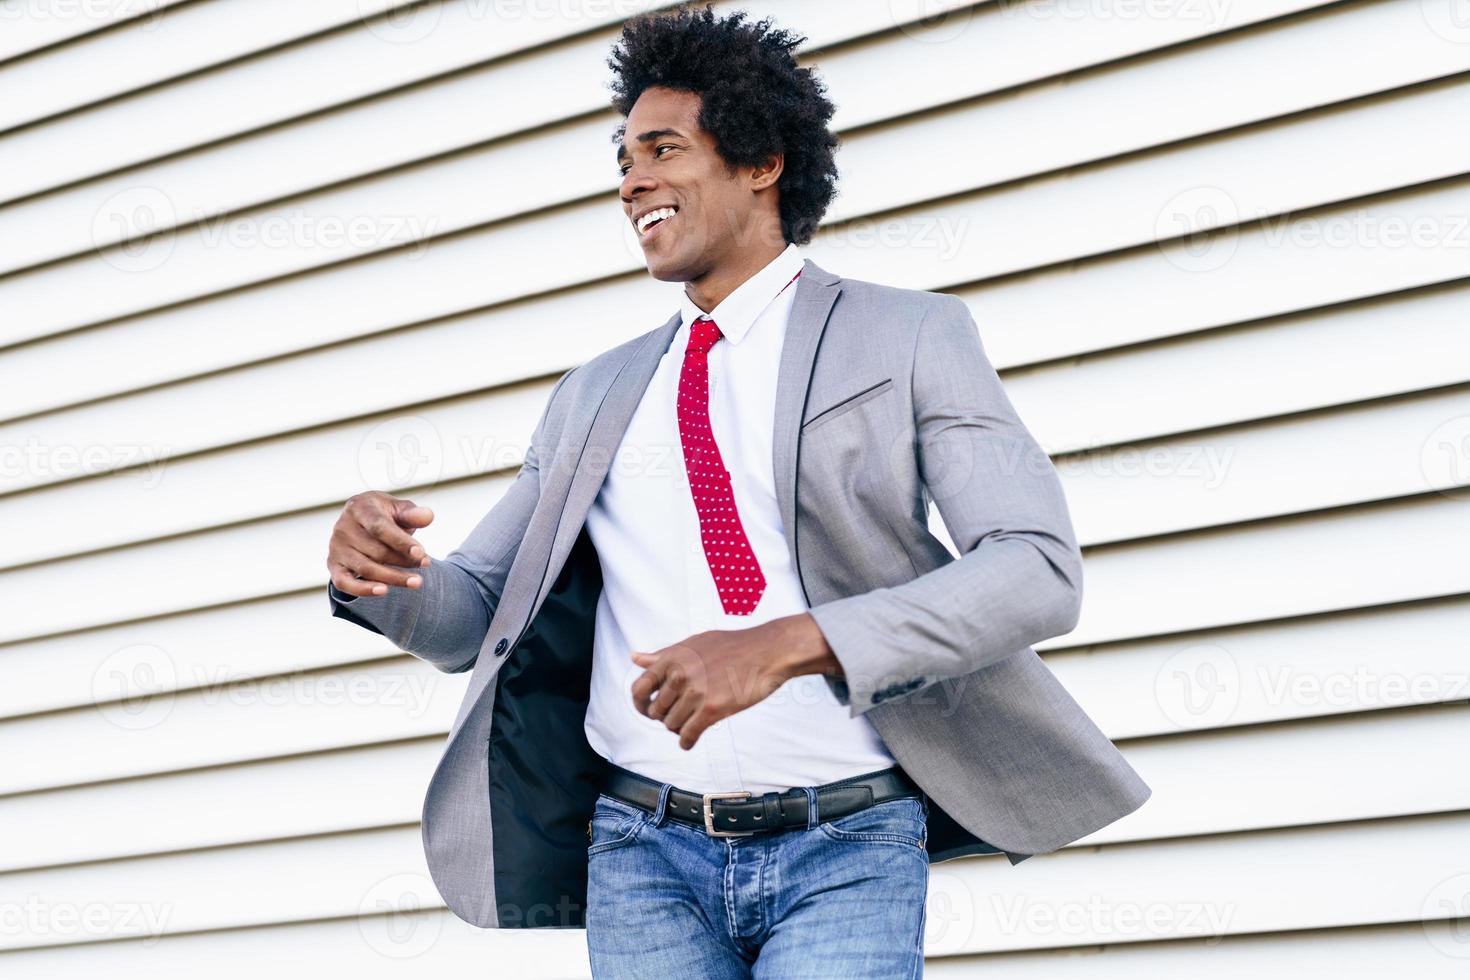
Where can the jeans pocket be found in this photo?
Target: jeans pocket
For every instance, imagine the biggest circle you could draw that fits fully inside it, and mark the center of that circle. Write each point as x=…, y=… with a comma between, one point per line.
x=899, y=821
x=614, y=824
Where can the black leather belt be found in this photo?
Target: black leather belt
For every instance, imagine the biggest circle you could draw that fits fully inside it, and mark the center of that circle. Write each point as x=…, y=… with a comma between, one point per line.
x=741, y=814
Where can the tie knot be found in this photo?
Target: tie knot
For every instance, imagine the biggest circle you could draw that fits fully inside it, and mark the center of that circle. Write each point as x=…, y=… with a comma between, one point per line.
x=703, y=334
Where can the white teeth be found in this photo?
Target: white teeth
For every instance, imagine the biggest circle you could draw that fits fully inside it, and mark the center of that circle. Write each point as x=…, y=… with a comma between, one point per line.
x=652, y=216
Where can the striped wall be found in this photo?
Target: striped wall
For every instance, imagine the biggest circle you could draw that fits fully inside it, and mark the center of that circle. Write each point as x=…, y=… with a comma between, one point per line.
x=258, y=256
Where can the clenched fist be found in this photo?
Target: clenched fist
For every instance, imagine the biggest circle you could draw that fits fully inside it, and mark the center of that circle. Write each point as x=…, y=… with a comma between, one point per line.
x=375, y=532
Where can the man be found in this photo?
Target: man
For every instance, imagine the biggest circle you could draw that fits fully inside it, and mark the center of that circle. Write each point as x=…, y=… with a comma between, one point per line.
x=707, y=623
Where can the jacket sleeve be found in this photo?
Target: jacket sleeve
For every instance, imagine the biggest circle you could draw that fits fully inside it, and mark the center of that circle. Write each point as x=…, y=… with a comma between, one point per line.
x=445, y=619
x=1018, y=577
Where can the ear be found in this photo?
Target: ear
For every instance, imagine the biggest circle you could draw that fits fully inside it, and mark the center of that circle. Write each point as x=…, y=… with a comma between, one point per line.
x=767, y=173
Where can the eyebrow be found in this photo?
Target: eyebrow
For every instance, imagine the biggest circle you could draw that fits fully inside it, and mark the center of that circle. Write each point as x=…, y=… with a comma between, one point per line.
x=648, y=137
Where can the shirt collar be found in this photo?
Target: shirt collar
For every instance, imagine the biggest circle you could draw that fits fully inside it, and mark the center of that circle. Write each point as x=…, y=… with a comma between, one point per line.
x=736, y=313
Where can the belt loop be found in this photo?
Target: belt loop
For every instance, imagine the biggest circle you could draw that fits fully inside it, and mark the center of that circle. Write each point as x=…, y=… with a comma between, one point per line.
x=771, y=816
x=663, y=800
x=811, y=807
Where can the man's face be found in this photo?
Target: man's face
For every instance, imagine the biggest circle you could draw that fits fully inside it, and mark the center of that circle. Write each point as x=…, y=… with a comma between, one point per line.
x=668, y=161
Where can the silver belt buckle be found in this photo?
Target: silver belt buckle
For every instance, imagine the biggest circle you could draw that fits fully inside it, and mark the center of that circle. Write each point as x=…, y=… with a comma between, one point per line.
x=709, y=814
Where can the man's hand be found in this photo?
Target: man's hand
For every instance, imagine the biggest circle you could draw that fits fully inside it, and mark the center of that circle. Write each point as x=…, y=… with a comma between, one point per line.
x=712, y=675
x=375, y=531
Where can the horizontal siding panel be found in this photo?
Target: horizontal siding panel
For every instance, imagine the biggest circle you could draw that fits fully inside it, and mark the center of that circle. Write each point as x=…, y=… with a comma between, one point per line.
x=1258, y=176
x=198, y=648
x=1339, y=356
x=419, y=43
x=1318, y=772
x=1221, y=885
x=344, y=144
x=328, y=876
x=233, y=564
x=375, y=787
x=1410, y=949
x=1330, y=664
x=1150, y=292
x=431, y=39
x=991, y=48
x=388, y=941
x=1170, y=96
x=31, y=26
x=394, y=700
x=438, y=360
x=1267, y=470
x=1341, y=559
x=194, y=37
x=444, y=278
x=485, y=435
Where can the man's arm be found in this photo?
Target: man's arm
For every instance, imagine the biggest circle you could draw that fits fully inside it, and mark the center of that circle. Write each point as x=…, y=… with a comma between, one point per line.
x=1018, y=579
x=445, y=619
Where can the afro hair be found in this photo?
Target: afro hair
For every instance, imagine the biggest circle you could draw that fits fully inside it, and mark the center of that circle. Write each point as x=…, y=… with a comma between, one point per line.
x=755, y=100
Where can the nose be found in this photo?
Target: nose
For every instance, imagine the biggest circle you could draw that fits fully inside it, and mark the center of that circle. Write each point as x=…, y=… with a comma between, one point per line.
x=635, y=182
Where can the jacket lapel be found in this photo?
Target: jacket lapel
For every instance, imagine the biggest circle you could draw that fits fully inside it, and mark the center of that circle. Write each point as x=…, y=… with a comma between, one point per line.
x=577, y=484
x=816, y=291
x=608, y=425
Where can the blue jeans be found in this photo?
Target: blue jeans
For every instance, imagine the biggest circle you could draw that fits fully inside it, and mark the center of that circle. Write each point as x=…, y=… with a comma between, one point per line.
x=836, y=898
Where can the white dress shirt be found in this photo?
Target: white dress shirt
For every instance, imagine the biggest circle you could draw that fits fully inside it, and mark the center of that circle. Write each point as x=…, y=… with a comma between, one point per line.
x=657, y=584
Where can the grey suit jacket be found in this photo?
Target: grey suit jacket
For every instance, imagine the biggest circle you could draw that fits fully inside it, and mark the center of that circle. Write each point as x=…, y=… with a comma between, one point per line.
x=885, y=400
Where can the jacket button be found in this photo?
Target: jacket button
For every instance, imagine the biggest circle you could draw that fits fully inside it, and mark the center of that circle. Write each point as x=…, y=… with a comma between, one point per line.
x=500, y=647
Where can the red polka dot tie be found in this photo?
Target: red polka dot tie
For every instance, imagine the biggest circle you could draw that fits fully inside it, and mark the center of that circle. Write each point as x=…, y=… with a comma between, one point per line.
x=737, y=574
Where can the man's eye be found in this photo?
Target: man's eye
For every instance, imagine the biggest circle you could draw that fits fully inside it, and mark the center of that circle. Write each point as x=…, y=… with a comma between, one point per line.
x=623, y=171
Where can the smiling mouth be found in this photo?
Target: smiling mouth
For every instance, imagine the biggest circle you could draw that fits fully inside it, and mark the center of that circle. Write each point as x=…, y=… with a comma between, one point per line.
x=653, y=226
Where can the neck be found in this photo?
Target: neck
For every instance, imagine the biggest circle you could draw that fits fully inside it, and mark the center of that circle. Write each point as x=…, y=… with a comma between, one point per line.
x=710, y=289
